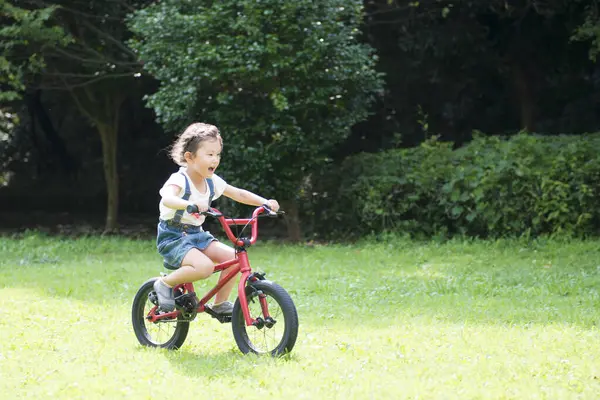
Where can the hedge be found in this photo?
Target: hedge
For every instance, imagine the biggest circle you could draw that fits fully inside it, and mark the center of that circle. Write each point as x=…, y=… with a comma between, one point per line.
x=491, y=187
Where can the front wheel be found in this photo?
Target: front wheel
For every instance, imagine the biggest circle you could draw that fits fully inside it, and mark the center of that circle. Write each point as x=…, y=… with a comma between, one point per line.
x=276, y=331
x=169, y=334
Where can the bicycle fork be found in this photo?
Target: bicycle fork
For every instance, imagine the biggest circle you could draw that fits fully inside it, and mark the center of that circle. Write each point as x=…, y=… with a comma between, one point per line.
x=248, y=278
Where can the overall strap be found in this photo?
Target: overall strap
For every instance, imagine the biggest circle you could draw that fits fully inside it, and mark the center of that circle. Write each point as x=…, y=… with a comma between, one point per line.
x=211, y=190
x=186, y=196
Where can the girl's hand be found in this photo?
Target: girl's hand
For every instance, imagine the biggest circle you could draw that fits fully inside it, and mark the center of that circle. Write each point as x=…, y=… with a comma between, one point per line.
x=273, y=204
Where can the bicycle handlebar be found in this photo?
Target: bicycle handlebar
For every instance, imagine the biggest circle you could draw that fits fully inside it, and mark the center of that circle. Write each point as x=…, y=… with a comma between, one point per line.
x=226, y=222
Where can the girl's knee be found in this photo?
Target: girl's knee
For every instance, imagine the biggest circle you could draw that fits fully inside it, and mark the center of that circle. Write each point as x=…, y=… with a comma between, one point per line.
x=203, y=271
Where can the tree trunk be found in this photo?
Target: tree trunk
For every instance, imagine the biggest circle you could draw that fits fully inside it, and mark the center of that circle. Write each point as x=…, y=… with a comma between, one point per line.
x=102, y=108
x=524, y=89
x=109, y=135
x=292, y=220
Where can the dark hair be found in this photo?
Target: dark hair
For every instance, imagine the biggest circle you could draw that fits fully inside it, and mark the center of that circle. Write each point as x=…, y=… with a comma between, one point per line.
x=191, y=138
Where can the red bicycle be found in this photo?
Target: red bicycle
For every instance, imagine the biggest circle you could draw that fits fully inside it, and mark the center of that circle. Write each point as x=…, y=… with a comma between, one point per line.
x=264, y=318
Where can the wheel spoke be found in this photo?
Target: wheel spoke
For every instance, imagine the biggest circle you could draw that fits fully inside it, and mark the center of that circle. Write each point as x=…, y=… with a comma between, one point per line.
x=276, y=339
x=169, y=333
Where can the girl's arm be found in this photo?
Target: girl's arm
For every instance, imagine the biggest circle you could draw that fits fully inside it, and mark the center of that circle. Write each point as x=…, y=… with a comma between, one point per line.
x=247, y=197
x=171, y=199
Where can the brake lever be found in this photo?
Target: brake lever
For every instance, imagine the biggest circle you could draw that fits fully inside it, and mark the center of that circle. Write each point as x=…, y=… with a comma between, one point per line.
x=211, y=213
x=272, y=213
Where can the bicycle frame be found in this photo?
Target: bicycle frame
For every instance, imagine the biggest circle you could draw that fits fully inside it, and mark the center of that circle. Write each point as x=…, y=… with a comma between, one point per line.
x=243, y=266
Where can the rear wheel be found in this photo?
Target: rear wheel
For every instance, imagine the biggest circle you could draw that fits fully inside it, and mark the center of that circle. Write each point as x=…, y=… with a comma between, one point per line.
x=169, y=334
x=274, y=334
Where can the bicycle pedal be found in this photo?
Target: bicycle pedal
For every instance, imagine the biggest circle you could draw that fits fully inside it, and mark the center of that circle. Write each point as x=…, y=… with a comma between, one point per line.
x=222, y=318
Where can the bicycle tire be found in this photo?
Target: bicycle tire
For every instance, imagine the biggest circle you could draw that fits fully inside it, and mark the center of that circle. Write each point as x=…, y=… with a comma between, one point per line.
x=252, y=339
x=144, y=329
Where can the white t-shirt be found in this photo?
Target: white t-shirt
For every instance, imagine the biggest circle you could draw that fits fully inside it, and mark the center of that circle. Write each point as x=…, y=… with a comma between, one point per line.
x=178, y=180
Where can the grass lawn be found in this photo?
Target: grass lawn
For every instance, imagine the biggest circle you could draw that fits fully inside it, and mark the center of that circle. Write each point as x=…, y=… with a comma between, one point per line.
x=397, y=320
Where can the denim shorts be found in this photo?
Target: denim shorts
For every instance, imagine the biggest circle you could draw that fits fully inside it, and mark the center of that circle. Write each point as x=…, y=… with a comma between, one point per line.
x=173, y=241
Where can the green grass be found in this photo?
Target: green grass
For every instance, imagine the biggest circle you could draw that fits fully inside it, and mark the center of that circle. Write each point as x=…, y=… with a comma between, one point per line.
x=402, y=319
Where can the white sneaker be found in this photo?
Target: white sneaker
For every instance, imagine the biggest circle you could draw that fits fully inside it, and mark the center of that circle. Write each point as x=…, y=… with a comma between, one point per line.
x=224, y=308
x=166, y=301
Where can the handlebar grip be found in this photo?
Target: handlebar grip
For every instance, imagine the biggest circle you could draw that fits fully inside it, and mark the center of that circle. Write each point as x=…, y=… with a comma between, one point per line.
x=192, y=209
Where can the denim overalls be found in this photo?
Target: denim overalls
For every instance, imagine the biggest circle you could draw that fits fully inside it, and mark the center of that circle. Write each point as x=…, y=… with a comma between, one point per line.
x=175, y=239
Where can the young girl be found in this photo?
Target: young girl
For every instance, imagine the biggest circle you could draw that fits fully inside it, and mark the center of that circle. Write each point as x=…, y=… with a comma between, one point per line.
x=181, y=240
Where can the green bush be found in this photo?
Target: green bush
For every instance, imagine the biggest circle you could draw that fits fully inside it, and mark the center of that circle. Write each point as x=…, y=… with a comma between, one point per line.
x=523, y=185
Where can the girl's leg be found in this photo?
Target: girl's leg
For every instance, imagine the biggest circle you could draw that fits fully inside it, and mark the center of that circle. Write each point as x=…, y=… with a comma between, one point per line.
x=219, y=252
x=194, y=266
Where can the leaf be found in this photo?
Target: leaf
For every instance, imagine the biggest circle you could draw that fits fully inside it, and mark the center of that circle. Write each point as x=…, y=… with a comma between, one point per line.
x=457, y=210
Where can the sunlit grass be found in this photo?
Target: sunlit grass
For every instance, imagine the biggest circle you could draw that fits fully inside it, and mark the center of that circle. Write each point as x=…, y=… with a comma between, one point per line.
x=463, y=319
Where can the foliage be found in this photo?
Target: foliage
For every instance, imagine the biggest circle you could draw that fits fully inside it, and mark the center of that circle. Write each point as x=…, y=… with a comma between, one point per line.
x=23, y=34
x=284, y=81
x=590, y=30
x=8, y=121
x=491, y=187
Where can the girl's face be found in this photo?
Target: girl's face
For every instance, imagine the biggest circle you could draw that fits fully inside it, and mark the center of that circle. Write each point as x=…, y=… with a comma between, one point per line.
x=206, y=158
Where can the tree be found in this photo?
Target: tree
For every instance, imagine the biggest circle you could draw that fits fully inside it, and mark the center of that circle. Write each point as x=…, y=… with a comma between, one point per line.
x=24, y=35
x=98, y=71
x=284, y=81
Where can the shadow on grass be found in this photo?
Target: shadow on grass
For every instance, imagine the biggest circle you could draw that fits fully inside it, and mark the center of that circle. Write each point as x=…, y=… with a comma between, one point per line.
x=197, y=362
